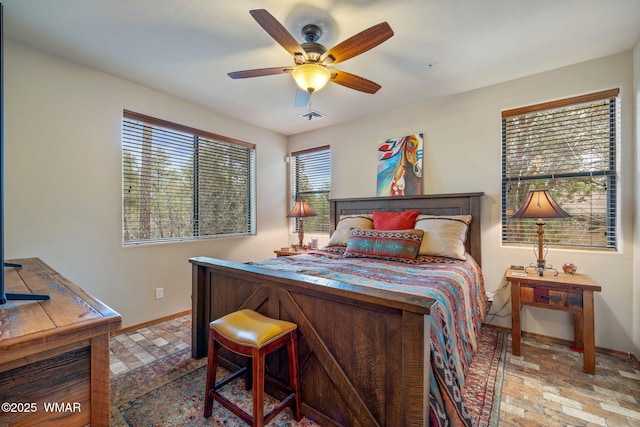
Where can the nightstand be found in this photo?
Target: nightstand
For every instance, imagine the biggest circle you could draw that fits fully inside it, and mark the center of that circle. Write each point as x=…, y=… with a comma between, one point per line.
x=566, y=292
x=289, y=251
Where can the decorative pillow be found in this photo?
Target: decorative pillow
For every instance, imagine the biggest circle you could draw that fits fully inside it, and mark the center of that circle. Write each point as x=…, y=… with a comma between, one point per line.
x=404, y=220
x=393, y=245
x=340, y=237
x=443, y=235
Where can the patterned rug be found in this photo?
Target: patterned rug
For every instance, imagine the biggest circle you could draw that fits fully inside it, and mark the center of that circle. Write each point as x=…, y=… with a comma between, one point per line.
x=170, y=392
x=483, y=387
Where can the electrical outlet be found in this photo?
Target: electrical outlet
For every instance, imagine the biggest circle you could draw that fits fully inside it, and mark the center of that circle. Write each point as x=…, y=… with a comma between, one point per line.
x=159, y=293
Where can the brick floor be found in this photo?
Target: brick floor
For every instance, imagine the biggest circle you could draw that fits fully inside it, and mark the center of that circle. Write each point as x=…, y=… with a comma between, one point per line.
x=144, y=345
x=547, y=387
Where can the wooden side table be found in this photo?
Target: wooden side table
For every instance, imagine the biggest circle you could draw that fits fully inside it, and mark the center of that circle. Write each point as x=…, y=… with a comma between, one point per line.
x=566, y=292
x=290, y=251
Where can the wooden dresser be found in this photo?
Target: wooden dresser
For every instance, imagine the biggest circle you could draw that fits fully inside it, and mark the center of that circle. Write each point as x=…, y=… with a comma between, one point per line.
x=54, y=354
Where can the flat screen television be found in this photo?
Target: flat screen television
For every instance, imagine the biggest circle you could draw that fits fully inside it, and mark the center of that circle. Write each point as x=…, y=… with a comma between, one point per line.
x=4, y=297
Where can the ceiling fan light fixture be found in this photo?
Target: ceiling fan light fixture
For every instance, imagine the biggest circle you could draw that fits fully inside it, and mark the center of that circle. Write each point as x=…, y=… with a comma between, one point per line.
x=311, y=77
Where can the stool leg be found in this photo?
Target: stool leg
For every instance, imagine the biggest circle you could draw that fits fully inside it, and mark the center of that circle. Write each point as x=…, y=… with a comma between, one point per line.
x=294, y=373
x=258, y=388
x=212, y=368
x=248, y=376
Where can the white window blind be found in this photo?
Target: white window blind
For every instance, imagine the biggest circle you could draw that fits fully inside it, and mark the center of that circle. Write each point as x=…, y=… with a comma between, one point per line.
x=182, y=183
x=568, y=147
x=311, y=181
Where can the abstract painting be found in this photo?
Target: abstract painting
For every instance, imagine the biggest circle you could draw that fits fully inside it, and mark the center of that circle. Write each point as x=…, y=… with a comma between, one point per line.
x=400, y=166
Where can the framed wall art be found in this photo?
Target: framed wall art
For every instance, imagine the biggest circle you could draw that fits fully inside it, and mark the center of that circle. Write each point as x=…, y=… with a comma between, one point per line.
x=400, y=166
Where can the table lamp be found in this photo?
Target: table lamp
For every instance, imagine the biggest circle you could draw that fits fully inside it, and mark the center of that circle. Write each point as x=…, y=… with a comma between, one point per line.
x=300, y=210
x=539, y=204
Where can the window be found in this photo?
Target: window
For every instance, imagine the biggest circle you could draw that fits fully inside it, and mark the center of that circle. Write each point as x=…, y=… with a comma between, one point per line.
x=569, y=148
x=311, y=181
x=181, y=183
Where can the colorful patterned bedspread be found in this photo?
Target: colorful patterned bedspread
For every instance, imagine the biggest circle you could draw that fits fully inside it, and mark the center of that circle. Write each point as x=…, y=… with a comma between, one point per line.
x=456, y=320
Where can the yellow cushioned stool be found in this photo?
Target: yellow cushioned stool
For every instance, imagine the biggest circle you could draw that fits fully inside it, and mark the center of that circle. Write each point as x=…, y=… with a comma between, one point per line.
x=251, y=334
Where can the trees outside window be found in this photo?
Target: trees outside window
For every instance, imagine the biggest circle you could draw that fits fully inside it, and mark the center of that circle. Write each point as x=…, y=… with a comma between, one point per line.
x=181, y=183
x=568, y=147
x=311, y=181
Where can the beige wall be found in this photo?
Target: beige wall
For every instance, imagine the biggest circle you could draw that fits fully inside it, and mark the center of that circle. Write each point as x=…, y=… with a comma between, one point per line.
x=462, y=154
x=63, y=184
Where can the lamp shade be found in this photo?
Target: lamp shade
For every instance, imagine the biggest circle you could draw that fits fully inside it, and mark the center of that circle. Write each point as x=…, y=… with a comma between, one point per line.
x=300, y=210
x=311, y=77
x=540, y=204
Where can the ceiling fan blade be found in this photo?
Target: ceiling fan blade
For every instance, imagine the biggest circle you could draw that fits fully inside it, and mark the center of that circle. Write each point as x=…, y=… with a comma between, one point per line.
x=278, y=32
x=259, y=72
x=354, y=82
x=302, y=98
x=360, y=43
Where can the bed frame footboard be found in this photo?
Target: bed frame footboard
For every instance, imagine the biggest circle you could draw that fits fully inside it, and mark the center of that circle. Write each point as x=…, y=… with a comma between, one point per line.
x=364, y=354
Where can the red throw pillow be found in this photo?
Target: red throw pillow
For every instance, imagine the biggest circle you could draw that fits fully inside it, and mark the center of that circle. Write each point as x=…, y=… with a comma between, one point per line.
x=394, y=220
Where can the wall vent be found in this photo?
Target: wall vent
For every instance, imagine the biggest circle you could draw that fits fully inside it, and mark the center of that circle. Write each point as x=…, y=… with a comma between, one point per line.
x=312, y=115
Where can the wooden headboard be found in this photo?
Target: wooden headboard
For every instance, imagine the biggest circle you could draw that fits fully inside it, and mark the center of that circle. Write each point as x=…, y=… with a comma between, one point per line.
x=433, y=204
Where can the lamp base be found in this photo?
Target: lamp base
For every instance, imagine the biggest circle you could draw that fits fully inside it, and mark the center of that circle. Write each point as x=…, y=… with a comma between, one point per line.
x=541, y=269
x=541, y=251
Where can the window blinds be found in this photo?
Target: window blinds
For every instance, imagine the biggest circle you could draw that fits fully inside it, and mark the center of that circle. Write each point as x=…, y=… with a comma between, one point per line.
x=569, y=148
x=311, y=181
x=181, y=183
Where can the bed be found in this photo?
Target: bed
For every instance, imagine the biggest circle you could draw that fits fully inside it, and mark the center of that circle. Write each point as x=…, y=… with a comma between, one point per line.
x=365, y=348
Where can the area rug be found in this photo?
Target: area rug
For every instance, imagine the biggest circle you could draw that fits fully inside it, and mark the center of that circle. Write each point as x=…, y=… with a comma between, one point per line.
x=483, y=387
x=170, y=391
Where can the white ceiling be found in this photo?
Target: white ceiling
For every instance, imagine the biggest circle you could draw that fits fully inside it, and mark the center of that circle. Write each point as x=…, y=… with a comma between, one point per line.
x=187, y=47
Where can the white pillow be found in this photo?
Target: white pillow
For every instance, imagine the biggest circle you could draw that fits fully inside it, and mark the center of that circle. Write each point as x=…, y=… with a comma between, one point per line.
x=340, y=237
x=443, y=235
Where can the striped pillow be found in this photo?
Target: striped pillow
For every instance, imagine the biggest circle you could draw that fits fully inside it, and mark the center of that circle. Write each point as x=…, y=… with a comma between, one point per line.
x=390, y=245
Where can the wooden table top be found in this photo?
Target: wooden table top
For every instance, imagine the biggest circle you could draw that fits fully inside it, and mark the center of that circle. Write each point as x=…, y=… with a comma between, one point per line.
x=70, y=316
x=580, y=281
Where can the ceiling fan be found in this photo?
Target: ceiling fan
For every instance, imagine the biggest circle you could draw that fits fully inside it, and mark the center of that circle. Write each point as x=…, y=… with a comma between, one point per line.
x=312, y=59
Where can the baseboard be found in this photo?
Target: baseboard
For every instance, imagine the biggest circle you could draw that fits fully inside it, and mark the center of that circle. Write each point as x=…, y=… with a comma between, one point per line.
x=150, y=323
x=568, y=343
x=635, y=360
